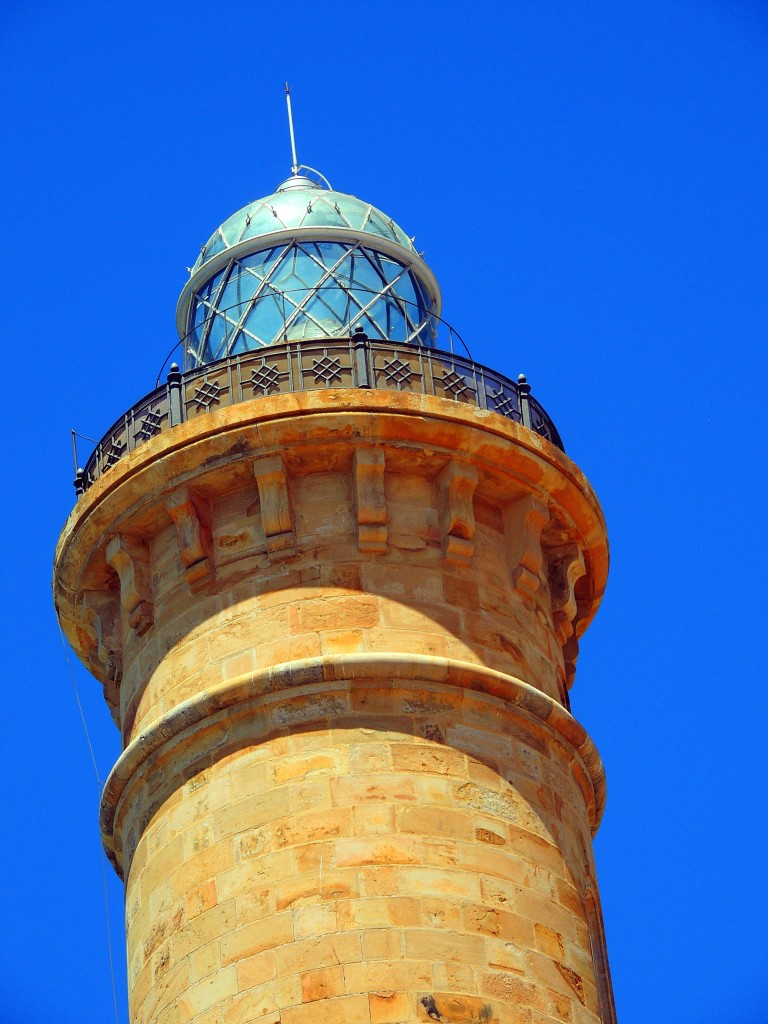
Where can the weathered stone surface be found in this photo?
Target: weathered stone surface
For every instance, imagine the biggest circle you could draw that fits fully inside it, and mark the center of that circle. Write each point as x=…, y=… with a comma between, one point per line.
x=350, y=790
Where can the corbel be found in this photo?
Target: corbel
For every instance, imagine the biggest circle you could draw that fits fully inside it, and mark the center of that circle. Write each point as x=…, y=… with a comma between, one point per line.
x=571, y=645
x=524, y=519
x=457, y=484
x=100, y=623
x=191, y=516
x=566, y=567
x=274, y=501
x=101, y=626
x=368, y=479
x=130, y=560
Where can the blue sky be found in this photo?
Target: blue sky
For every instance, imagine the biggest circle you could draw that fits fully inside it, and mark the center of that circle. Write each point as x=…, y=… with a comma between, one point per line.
x=588, y=181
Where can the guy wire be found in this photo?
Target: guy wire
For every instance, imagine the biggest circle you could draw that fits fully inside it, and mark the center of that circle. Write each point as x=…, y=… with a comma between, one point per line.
x=103, y=857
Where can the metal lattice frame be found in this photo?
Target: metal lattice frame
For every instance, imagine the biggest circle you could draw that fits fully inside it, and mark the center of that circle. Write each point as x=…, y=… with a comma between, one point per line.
x=384, y=313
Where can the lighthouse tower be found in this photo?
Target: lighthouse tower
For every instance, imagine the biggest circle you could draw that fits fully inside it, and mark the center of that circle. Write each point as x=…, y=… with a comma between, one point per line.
x=332, y=576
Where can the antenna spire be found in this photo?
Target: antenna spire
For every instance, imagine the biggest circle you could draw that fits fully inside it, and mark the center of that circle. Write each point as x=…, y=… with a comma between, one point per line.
x=295, y=164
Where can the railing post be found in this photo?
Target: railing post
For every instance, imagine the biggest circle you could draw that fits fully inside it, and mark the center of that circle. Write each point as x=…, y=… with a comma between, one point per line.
x=360, y=338
x=524, y=390
x=175, y=408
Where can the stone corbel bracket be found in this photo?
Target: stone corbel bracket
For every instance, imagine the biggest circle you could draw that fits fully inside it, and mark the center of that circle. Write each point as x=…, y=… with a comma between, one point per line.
x=368, y=479
x=566, y=567
x=275, y=503
x=571, y=645
x=457, y=484
x=130, y=560
x=192, y=518
x=524, y=521
x=100, y=624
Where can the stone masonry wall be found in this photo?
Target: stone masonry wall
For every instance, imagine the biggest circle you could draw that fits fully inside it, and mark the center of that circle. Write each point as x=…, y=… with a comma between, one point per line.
x=419, y=856
x=337, y=637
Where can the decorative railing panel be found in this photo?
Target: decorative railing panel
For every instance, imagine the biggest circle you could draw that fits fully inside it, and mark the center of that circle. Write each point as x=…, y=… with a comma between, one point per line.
x=308, y=365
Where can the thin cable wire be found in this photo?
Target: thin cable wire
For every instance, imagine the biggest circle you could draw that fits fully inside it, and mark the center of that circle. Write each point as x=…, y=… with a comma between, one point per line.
x=102, y=858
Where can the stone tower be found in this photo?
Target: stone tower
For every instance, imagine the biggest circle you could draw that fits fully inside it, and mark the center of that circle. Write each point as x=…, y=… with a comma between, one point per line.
x=332, y=578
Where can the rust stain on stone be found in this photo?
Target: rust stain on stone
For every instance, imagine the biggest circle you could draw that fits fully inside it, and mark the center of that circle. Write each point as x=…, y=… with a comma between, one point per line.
x=573, y=979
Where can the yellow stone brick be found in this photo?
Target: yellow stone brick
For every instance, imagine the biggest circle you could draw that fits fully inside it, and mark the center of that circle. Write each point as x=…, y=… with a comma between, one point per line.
x=381, y=788
x=391, y=1007
x=453, y=977
x=369, y=757
x=549, y=941
x=507, y=956
x=313, y=921
x=379, y=880
x=322, y=984
x=420, y=757
x=373, y=819
x=312, y=826
x=250, y=812
x=334, y=612
x=254, y=874
x=313, y=954
x=165, y=993
x=203, y=929
x=377, y=975
x=292, y=648
x=442, y=913
x=315, y=888
x=435, y=821
x=341, y=1008
x=203, y=867
x=203, y=898
x=314, y=793
x=241, y=664
x=314, y=857
x=433, y=944
x=439, y=882
x=342, y=641
x=256, y=970
x=382, y=944
x=207, y=993
x=394, y=911
x=305, y=765
x=261, y=1002
x=512, y=990
x=253, y=938
x=204, y=961
x=377, y=850
x=255, y=903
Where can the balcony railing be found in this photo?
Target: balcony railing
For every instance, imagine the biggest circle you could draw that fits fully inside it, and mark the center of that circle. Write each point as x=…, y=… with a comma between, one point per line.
x=308, y=365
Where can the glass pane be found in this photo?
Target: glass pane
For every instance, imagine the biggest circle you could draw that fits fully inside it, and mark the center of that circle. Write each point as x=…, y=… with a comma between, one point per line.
x=291, y=207
x=265, y=320
x=262, y=222
x=336, y=300
x=215, y=244
x=241, y=286
x=261, y=262
x=323, y=213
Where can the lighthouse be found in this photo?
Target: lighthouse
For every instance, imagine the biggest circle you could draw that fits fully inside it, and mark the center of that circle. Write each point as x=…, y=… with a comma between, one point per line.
x=333, y=575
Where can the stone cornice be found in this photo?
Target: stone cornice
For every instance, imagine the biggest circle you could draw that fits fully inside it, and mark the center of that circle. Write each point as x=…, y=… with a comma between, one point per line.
x=215, y=705
x=510, y=461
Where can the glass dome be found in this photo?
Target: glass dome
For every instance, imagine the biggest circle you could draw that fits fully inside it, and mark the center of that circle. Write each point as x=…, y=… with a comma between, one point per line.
x=305, y=262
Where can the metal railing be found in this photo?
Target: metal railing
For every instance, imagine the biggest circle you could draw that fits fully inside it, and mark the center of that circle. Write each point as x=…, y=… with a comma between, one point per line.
x=307, y=365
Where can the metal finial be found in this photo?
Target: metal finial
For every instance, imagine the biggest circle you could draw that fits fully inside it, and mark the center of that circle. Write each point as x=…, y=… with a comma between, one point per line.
x=295, y=164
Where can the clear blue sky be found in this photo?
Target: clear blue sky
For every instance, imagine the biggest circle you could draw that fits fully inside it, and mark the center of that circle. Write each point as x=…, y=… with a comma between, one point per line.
x=588, y=181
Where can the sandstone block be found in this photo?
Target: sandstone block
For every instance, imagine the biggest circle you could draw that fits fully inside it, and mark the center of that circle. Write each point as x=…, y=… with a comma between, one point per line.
x=253, y=938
